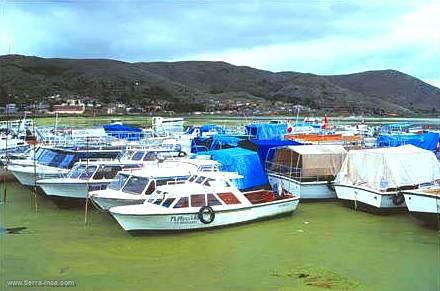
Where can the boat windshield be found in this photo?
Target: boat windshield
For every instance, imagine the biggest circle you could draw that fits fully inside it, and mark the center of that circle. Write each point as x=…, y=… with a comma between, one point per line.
x=118, y=182
x=81, y=172
x=76, y=171
x=137, y=156
x=135, y=185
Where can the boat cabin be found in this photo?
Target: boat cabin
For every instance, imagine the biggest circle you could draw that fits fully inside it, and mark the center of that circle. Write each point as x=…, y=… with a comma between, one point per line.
x=306, y=163
x=98, y=170
x=211, y=189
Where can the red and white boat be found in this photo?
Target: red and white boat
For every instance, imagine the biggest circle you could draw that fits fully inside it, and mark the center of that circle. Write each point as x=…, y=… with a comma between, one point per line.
x=205, y=200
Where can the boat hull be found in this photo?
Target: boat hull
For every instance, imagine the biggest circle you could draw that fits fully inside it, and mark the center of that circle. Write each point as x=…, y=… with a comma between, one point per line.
x=305, y=190
x=190, y=221
x=425, y=208
x=28, y=178
x=369, y=199
x=105, y=203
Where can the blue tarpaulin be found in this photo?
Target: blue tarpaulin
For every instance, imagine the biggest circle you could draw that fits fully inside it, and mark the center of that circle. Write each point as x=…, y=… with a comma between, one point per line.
x=244, y=162
x=123, y=131
x=427, y=141
x=264, y=131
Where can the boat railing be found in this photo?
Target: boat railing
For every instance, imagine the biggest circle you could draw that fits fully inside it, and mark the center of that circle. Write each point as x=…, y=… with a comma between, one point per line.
x=295, y=173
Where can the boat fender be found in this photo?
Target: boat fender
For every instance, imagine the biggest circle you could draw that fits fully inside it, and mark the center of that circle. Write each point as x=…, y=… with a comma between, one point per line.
x=206, y=211
x=398, y=199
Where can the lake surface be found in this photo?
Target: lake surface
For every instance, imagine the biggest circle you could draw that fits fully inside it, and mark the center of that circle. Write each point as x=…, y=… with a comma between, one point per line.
x=322, y=245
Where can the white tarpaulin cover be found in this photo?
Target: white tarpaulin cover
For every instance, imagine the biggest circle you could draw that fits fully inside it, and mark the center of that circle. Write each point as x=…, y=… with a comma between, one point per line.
x=386, y=168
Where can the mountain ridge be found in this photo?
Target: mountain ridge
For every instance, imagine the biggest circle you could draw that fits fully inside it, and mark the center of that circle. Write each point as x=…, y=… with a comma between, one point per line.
x=197, y=82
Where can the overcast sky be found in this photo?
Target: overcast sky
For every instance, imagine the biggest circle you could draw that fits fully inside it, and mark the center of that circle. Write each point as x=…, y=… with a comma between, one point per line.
x=316, y=36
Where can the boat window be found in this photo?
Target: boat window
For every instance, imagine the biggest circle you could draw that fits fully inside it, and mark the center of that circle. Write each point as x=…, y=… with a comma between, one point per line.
x=198, y=200
x=107, y=172
x=168, y=202
x=135, y=185
x=208, y=182
x=182, y=203
x=192, y=178
x=46, y=157
x=162, y=182
x=219, y=184
x=158, y=201
x=228, y=198
x=66, y=161
x=150, y=156
x=88, y=172
x=137, y=156
x=200, y=179
x=151, y=188
x=212, y=201
x=118, y=182
x=76, y=171
x=150, y=200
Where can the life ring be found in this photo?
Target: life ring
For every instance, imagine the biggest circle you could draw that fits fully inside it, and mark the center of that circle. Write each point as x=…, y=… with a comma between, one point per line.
x=182, y=154
x=398, y=199
x=206, y=210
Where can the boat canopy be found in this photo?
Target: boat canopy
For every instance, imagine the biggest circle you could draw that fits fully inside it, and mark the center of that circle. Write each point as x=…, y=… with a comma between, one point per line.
x=427, y=141
x=387, y=168
x=123, y=131
x=307, y=160
x=266, y=130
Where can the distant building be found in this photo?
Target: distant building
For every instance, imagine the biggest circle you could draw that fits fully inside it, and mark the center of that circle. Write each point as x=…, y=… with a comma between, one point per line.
x=10, y=108
x=71, y=106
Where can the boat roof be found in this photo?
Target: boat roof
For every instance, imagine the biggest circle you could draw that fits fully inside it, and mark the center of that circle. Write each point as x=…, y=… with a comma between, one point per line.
x=108, y=162
x=196, y=162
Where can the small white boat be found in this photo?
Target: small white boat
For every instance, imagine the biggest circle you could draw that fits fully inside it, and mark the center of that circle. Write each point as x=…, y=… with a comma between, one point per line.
x=375, y=178
x=85, y=176
x=424, y=204
x=205, y=200
x=134, y=187
x=305, y=170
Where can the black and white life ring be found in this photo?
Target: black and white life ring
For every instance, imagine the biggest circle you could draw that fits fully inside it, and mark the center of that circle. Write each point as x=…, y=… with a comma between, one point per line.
x=206, y=214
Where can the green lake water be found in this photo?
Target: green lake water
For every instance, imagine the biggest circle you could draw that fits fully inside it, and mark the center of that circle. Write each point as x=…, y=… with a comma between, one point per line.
x=322, y=245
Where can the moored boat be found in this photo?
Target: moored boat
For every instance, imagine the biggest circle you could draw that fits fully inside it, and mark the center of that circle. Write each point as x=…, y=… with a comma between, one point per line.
x=305, y=170
x=424, y=204
x=135, y=187
x=85, y=176
x=205, y=200
x=375, y=178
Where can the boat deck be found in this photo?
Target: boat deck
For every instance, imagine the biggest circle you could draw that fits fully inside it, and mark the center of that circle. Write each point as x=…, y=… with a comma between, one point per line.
x=264, y=196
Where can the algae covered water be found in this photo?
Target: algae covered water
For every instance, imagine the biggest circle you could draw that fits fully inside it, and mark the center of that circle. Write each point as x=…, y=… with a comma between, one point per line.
x=321, y=246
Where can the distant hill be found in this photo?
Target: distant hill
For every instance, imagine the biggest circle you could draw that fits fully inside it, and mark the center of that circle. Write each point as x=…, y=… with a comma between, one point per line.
x=195, y=82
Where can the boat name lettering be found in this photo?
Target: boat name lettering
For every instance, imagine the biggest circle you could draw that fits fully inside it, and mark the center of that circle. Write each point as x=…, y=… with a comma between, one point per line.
x=184, y=219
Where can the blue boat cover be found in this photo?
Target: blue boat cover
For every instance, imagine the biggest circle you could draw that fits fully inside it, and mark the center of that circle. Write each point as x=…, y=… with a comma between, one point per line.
x=427, y=141
x=244, y=162
x=266, y=130
x=123, y=131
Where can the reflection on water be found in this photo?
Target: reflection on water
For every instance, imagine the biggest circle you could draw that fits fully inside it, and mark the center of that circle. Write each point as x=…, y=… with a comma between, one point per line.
x=322, y=246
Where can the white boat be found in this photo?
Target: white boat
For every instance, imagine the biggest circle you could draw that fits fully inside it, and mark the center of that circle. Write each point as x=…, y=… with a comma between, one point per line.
x=85, y=176
x=205, y=200
x=374, y=178
x=135, y=187
x=424, y=204
x=307, y=171
x=54, y=163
